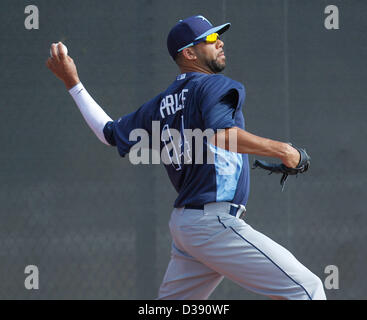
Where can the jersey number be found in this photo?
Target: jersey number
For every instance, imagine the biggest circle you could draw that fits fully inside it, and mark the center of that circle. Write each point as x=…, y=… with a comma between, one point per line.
x=179, y=150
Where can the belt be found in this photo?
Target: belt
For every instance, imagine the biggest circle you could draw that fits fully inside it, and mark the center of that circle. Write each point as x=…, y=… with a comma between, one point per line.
x=236, y=210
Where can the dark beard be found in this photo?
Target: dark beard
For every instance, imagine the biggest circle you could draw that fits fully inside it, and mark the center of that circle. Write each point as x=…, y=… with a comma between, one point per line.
x=215, y=66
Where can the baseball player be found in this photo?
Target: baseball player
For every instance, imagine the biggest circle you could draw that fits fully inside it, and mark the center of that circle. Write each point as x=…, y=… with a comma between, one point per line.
x=211, y=239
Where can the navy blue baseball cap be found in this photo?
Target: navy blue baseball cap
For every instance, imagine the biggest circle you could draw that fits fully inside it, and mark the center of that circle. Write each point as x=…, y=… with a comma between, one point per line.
x=187, y=31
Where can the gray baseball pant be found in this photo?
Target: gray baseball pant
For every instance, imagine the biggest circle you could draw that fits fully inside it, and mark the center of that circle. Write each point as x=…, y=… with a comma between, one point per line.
x=211, y=244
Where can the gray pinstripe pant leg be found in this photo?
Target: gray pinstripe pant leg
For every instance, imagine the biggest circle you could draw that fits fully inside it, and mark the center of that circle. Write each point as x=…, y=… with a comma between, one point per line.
x=210, y=244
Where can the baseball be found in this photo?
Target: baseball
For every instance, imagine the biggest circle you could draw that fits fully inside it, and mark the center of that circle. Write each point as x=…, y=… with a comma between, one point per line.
x=57, y=49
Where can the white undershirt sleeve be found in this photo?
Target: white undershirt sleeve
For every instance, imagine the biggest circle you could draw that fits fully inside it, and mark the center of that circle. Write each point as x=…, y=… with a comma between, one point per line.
x=93, y=114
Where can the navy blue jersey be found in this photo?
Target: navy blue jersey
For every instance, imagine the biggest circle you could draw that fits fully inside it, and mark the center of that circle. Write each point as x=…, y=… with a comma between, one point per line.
x=194, y=101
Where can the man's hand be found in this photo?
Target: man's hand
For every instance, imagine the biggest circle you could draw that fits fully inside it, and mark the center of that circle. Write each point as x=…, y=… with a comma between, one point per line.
x=302, y=165
x=292, y=157
x=63, y=66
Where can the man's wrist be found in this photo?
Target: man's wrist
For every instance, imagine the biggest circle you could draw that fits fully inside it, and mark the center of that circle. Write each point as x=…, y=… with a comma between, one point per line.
x=78, y=88
x=71, y=83
x=286, y=152
x=292, y=156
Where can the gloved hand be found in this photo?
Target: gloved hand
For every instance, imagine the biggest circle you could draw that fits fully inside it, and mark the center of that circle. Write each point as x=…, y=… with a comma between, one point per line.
x=303, y=165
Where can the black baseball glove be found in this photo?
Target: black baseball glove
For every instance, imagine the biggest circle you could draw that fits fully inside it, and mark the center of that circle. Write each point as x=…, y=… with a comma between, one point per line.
x=303, y=165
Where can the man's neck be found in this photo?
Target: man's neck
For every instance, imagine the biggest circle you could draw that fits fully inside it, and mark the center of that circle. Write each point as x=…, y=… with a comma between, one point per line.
x=186, y=69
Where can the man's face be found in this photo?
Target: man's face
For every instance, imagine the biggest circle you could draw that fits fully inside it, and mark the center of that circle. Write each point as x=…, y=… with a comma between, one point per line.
x=211, y=55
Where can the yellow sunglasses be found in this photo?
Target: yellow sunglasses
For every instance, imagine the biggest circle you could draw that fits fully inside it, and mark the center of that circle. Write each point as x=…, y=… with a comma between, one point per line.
x=211, y=38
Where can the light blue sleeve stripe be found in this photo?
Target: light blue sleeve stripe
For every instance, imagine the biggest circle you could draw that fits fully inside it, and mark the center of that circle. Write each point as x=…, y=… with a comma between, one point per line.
x=228, y=166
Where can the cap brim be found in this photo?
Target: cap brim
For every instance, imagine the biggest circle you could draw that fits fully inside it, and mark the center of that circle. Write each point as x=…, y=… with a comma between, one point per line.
x=220, y=29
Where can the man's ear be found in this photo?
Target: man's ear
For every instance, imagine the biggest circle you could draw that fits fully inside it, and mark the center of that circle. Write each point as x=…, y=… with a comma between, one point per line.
x=189, y=54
